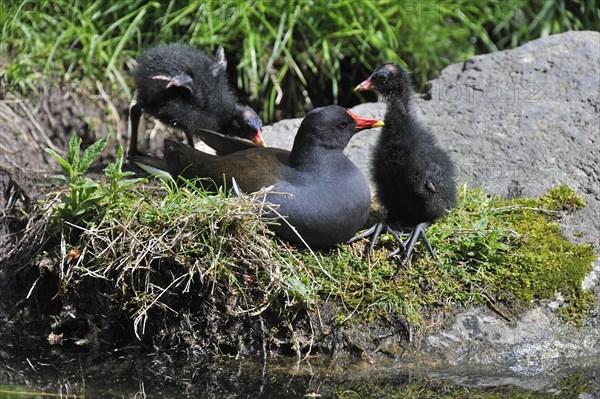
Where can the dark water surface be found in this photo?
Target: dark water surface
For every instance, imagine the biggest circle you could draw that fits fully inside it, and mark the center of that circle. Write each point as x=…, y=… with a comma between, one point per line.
x=137, y=375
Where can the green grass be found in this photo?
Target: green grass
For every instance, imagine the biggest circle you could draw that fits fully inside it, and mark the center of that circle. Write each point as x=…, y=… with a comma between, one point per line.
x=489, y=249
x=288, y=56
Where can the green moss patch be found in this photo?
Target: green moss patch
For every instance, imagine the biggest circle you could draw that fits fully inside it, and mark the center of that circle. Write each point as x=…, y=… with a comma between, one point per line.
x=504, y=253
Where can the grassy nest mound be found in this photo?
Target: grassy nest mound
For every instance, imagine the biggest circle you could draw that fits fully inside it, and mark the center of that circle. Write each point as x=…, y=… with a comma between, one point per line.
x=110, y=260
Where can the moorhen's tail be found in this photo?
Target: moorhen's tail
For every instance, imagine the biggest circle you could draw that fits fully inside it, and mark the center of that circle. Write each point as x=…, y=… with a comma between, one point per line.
x=153, y=166
x=180, y=158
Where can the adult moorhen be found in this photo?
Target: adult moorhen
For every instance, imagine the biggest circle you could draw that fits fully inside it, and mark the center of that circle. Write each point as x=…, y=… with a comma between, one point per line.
x=315, y=186
x=185, y=88
x=413, y=176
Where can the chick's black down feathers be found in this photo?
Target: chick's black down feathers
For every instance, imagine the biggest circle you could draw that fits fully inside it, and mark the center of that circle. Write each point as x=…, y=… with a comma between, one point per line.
x=414, y=177
x=188, y=89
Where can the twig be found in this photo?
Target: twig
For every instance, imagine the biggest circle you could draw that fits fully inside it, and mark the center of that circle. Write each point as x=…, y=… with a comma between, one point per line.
x=490, y=303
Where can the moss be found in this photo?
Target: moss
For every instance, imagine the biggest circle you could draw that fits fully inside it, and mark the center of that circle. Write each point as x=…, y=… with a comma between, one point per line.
x=490, y=250
x=544, y=263
x=562, y=198
x=518, y=251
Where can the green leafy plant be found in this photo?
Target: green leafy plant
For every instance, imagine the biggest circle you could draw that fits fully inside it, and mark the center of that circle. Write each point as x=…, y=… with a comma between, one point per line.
x=118, y=179
x=84, y=194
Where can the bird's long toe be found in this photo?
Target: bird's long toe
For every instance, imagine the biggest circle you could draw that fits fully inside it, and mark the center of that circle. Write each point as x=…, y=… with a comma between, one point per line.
x=375, y=232
x=411, y=241
x=364, y=234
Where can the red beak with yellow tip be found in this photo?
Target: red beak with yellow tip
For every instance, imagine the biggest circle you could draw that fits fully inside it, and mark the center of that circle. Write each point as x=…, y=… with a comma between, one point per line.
x=364, y=86
x=365, y=123
x=258, y=140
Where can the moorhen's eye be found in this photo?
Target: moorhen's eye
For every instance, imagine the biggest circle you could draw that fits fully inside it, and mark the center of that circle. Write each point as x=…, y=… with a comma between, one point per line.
x=342, y=125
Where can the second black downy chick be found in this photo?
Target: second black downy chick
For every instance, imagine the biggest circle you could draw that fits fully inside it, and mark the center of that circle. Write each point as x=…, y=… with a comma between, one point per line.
x=414, y=177
x=188, y=89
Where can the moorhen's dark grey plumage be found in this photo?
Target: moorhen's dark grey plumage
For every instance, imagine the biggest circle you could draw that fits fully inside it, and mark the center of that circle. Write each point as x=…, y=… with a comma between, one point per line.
x=185, y=88
x=319, y=190
x=413, y=176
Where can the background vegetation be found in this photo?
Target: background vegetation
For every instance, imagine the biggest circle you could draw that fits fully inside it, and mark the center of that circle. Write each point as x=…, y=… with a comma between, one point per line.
x=285, y=57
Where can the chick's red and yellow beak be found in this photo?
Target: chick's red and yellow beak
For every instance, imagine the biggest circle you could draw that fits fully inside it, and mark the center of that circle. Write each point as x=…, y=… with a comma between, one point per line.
x=365, y=123
x=258, y=140
x=364, y=86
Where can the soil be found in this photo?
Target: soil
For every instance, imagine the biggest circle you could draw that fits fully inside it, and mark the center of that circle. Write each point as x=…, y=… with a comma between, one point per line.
x=28, y=126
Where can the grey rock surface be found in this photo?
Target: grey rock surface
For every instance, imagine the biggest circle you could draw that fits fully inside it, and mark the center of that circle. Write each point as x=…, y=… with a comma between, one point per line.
x=535, y=342
x=517, y=123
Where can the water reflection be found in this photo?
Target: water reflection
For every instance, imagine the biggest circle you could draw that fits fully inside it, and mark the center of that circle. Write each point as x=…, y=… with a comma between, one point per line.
x=141, y=376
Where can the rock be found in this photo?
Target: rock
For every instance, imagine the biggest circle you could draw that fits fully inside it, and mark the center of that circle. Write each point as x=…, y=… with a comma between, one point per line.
x=533, y=343
x=517, y=122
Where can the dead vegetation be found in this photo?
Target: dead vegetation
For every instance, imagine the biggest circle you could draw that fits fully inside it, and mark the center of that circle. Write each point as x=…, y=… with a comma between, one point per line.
x=168, y=266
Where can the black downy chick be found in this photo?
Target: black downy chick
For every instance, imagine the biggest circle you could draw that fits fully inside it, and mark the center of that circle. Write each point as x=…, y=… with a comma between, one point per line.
x=413, y=176
x=185, y=88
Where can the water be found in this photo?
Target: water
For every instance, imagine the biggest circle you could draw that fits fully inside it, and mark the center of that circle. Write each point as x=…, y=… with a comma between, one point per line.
x=138, y=375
